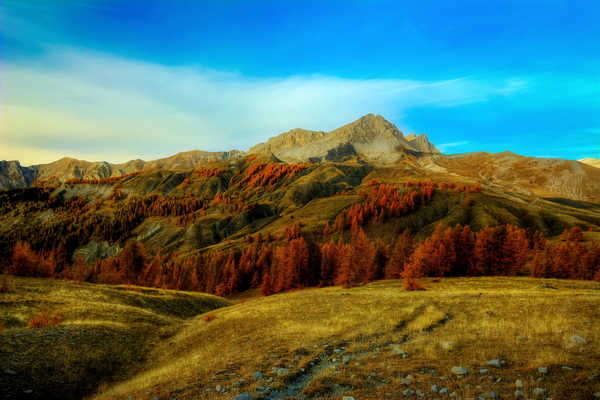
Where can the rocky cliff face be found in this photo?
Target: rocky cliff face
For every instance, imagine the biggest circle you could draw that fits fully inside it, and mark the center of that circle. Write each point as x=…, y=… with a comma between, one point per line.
x=13, y=175
x=421, y=143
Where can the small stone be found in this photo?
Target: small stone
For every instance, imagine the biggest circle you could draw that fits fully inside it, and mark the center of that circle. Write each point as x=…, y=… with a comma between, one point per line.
x=567, y=368
x=419, y=393
x=447, y=345
x=10, y=372
x=498, y=380
x=543, y=370
x=27, y=391
x=495, y=363
x=208, y=390
x=519, y=383
x=348, y=398
x=434, y=388
x=260, y=388
x=408, y=392
x=282, y=371
x=218, y=388
x=597, y=395
x=458, y=370
x=257, y=375
x=243, y=396
x=483, y=371
x=575, y=341
x=346, y=358
x=519, y=393
x=443, y=390
x=539, y=391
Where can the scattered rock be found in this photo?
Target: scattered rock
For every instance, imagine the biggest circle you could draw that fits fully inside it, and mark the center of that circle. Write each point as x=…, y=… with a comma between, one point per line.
x=543, y=370
x=575, y=341
x=447, y=345
x=243, y=396
x=458, y=370
x=408, y=392
x=483, y=371
x=519, y=393
x=257, y=375
x=519, y=383
x=495, y=363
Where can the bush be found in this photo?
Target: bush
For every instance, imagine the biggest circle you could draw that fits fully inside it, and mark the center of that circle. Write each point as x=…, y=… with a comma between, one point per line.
x=209, y=317
x=44, y=319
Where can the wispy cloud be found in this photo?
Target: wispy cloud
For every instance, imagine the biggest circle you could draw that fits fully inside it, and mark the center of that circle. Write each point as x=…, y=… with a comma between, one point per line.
x=444, y=147
x=86, y=104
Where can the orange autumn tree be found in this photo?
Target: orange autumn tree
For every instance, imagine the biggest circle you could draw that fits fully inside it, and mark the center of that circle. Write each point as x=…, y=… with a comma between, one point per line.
x=400, y=256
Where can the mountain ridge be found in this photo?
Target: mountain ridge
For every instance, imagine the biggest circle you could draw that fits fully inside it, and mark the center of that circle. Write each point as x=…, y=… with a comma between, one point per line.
x=370, y=140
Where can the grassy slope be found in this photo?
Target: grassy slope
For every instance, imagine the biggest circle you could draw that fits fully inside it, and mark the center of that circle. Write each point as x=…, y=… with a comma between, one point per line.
x=106, y=335
x=334, y=341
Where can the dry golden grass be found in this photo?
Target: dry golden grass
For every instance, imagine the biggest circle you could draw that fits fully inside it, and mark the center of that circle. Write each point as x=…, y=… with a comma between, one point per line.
x=106, y=333
x=351, y=342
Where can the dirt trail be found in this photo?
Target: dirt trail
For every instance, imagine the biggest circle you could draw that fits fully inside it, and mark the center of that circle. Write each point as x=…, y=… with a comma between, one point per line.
x=324, y=360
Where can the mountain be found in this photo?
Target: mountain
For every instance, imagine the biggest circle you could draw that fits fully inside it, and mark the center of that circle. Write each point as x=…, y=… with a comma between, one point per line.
x=13, y=175
x=372, y=138
x=594, y=162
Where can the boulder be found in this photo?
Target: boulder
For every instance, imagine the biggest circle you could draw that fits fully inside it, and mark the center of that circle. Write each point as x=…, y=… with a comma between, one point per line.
x=456, y=370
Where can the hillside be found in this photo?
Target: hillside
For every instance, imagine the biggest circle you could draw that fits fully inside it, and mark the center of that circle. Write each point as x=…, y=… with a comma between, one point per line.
x=106, y=334
x=594, y=162
x=379, y=341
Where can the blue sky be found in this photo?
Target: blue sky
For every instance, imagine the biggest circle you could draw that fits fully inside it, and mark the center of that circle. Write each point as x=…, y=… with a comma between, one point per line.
x=116, y=80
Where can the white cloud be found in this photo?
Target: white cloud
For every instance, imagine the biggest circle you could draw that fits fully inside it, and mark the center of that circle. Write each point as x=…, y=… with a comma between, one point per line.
x=89, y=104
x=444, y=147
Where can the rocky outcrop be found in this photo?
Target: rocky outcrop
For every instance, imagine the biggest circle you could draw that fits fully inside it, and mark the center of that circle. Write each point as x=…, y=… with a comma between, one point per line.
x=421, y=143
x=13, y=175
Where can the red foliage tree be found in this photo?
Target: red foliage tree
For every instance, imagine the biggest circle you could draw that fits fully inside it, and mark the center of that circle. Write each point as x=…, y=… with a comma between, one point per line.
x=401, y=252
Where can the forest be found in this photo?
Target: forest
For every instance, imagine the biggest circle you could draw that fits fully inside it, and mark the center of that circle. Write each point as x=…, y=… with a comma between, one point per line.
x=342, y=254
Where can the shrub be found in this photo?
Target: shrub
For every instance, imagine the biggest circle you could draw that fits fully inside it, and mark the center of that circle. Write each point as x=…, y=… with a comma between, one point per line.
x=44, y=319
x=209, y=317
